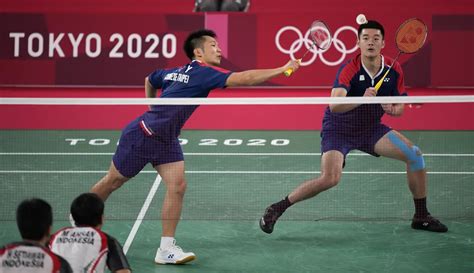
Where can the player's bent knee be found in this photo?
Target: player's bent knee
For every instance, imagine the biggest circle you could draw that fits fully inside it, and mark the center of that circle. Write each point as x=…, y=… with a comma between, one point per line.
x=331, y=180
x=178, y=186
x=117, y=183
x=413, y=154
x=182, y=186
x=417, y=162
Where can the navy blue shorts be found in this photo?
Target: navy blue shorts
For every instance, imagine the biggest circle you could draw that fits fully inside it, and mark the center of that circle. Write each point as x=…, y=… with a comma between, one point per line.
x=344, y=141
x=136, y=149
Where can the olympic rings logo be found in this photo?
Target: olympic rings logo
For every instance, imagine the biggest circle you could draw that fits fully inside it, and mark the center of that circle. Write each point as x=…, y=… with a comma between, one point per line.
x=297, y=44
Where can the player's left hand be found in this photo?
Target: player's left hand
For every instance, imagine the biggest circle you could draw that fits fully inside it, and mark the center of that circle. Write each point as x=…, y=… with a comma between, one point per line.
x=393, y=109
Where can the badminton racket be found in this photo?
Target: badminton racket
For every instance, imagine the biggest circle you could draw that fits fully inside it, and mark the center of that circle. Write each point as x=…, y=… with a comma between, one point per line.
x=320, y=37
x=410, y=37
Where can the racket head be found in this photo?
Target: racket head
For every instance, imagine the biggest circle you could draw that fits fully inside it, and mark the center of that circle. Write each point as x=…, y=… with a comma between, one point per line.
x=411, y=35
x=320, y=34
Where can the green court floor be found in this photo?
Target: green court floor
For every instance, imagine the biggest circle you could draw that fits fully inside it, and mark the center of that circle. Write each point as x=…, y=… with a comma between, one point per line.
x=362, y=225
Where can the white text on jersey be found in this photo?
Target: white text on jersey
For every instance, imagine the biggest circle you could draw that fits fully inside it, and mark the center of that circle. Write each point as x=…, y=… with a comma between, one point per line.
x=177, y=77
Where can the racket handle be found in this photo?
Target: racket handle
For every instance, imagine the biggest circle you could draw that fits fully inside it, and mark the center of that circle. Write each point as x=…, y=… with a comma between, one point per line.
x=377, y=86
x=289, y=71
x=379, y=83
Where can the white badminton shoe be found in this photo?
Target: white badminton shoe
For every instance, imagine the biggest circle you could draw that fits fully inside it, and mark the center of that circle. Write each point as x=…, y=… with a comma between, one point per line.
x=173, y=255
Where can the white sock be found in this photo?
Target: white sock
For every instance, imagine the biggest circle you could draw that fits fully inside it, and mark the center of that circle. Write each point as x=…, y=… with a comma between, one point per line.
x=166, y=242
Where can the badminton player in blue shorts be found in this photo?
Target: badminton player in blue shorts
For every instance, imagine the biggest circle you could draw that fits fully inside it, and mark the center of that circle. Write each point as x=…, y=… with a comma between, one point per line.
x=153, y=137
x=348, y=127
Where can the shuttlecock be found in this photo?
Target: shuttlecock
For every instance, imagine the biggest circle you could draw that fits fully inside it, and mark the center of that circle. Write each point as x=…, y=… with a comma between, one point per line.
x=361, y=19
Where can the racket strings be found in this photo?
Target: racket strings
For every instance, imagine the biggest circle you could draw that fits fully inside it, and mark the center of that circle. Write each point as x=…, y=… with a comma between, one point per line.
x=321, y=35
x=411, y=36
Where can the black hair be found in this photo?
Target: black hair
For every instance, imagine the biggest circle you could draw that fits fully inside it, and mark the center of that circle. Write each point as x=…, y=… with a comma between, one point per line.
x=195, y=40
x=371, y=24
x=87, y=210
x=34, y=217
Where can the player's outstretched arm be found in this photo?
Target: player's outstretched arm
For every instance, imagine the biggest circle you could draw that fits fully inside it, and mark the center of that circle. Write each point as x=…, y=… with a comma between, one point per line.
x=257, y=76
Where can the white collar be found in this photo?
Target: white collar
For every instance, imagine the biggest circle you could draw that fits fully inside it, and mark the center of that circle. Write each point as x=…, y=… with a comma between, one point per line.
x=380, y=70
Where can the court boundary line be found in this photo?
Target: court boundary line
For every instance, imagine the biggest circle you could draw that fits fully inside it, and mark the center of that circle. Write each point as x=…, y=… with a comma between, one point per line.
x=141, y=215
x=228, y=172
x=222, y=154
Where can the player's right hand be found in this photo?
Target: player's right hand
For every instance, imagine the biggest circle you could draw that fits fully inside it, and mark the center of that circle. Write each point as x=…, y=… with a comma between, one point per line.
x=370, y=92
x=292, y=64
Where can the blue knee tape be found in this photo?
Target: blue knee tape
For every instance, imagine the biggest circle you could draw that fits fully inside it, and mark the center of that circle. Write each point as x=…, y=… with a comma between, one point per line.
x=417, y=161
x=413, y=154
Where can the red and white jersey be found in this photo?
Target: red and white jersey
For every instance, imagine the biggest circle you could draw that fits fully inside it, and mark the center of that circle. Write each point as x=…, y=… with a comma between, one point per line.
x=26, y=257
x=85, y=248
x=88, y=249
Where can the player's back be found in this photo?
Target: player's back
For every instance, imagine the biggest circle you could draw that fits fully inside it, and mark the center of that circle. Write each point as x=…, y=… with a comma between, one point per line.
x=26, y=257
x=85, y=248
x=194, y=80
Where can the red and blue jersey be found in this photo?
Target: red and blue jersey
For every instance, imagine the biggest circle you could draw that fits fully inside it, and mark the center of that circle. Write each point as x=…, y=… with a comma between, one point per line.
x=355, y=79
x=194, y=80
